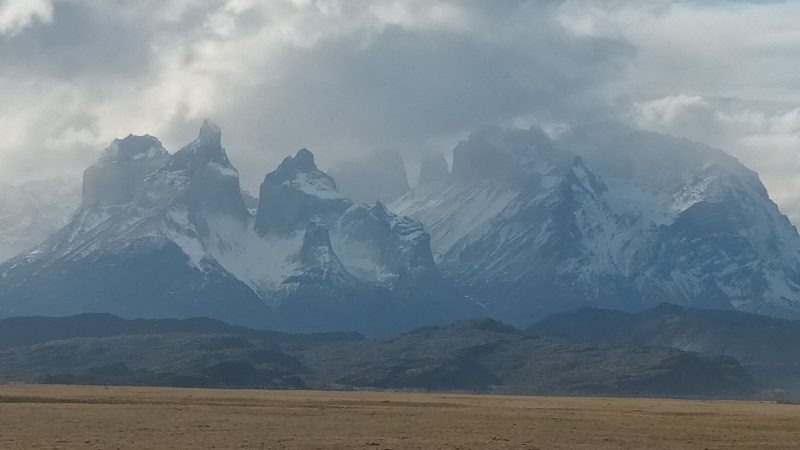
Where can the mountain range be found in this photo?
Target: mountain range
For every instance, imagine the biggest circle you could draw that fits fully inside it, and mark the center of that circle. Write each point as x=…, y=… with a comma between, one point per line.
x=169, y=235
x=523, y=225
x=605, y=216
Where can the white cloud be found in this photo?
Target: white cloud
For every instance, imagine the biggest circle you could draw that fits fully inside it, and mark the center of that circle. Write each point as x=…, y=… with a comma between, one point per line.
x=16, y=15
x=351, y=76
x=341, y=77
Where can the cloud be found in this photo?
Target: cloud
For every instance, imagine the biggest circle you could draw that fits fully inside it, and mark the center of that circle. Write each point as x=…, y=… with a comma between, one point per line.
x=16, y=15
x=342, y=77
x=715, y=71
x=346, y=77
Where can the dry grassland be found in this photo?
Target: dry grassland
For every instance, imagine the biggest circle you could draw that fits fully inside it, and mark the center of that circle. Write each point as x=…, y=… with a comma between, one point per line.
x=65, y=417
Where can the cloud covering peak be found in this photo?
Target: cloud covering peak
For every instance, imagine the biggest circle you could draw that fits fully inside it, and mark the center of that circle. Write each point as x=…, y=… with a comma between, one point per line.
x=354, y=77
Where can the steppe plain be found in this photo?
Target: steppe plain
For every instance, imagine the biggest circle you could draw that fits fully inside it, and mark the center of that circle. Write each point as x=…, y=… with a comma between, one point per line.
x=97, y=417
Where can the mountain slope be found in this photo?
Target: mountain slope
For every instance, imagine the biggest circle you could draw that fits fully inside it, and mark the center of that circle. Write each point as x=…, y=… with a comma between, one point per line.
x=135, y=248
x=367, y=255
x=606, y=217
x=162, y=235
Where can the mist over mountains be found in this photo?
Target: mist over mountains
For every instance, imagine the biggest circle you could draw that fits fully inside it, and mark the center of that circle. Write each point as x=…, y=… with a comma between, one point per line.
x=523, y=226
x=31, y=212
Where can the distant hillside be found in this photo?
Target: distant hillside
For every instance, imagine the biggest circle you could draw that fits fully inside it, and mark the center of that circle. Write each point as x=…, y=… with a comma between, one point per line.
x=479, y=356
x=22, y=331
x=765, y=346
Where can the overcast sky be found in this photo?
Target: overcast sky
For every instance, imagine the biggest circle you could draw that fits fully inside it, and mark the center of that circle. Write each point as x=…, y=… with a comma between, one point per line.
x=344, y=77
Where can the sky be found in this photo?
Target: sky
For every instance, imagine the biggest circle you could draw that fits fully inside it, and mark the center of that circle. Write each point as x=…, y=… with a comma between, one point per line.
x=348, y=77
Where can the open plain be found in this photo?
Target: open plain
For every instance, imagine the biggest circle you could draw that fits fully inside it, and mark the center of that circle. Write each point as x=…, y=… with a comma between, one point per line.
x=61, y=417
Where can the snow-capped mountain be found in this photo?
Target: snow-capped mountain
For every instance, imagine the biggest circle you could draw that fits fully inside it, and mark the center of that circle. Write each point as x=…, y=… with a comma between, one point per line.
x=162, y=235
x=360, y=247
x=136, y=248
x=523, y=225
x=609, y=217
x=32, y=211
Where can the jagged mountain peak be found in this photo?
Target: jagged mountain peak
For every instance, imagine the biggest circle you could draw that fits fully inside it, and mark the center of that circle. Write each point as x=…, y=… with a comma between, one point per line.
x=205, y=149
x=133, y=148
x=199, y=177
x=317, y=250
x=171, y=236
x=607, y=216
x=294, y=193
x=304, y=160
x=119, y=171
x=210, y=132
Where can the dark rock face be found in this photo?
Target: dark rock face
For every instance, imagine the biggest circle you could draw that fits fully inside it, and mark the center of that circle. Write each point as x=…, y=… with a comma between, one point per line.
x=212, y=182
x=118, y=174
x=294, y=194
x=400, y=243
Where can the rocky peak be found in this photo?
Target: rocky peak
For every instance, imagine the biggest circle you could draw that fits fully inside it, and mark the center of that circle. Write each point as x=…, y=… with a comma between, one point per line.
x=317, y=258
x=317, y=248
x=201, y=175
x=113, y=180
x=133, y=148
x=304, y=161
x=294, y=167
x=295, y=193
x=205, y=149
x=210, y=133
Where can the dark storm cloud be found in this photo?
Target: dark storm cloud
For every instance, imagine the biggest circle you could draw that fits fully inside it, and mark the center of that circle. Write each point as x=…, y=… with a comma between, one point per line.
x=402, y=87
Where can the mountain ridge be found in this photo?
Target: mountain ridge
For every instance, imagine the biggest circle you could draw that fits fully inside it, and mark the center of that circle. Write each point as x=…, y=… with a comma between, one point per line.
x=469, y=356
x=169, y=235
x=607, y=217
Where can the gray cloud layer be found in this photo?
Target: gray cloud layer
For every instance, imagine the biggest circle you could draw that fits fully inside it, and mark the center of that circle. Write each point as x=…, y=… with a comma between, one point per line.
x=348, y=77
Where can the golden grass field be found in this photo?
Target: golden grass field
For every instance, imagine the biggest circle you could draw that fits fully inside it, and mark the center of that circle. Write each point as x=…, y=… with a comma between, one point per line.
x=51, y=417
